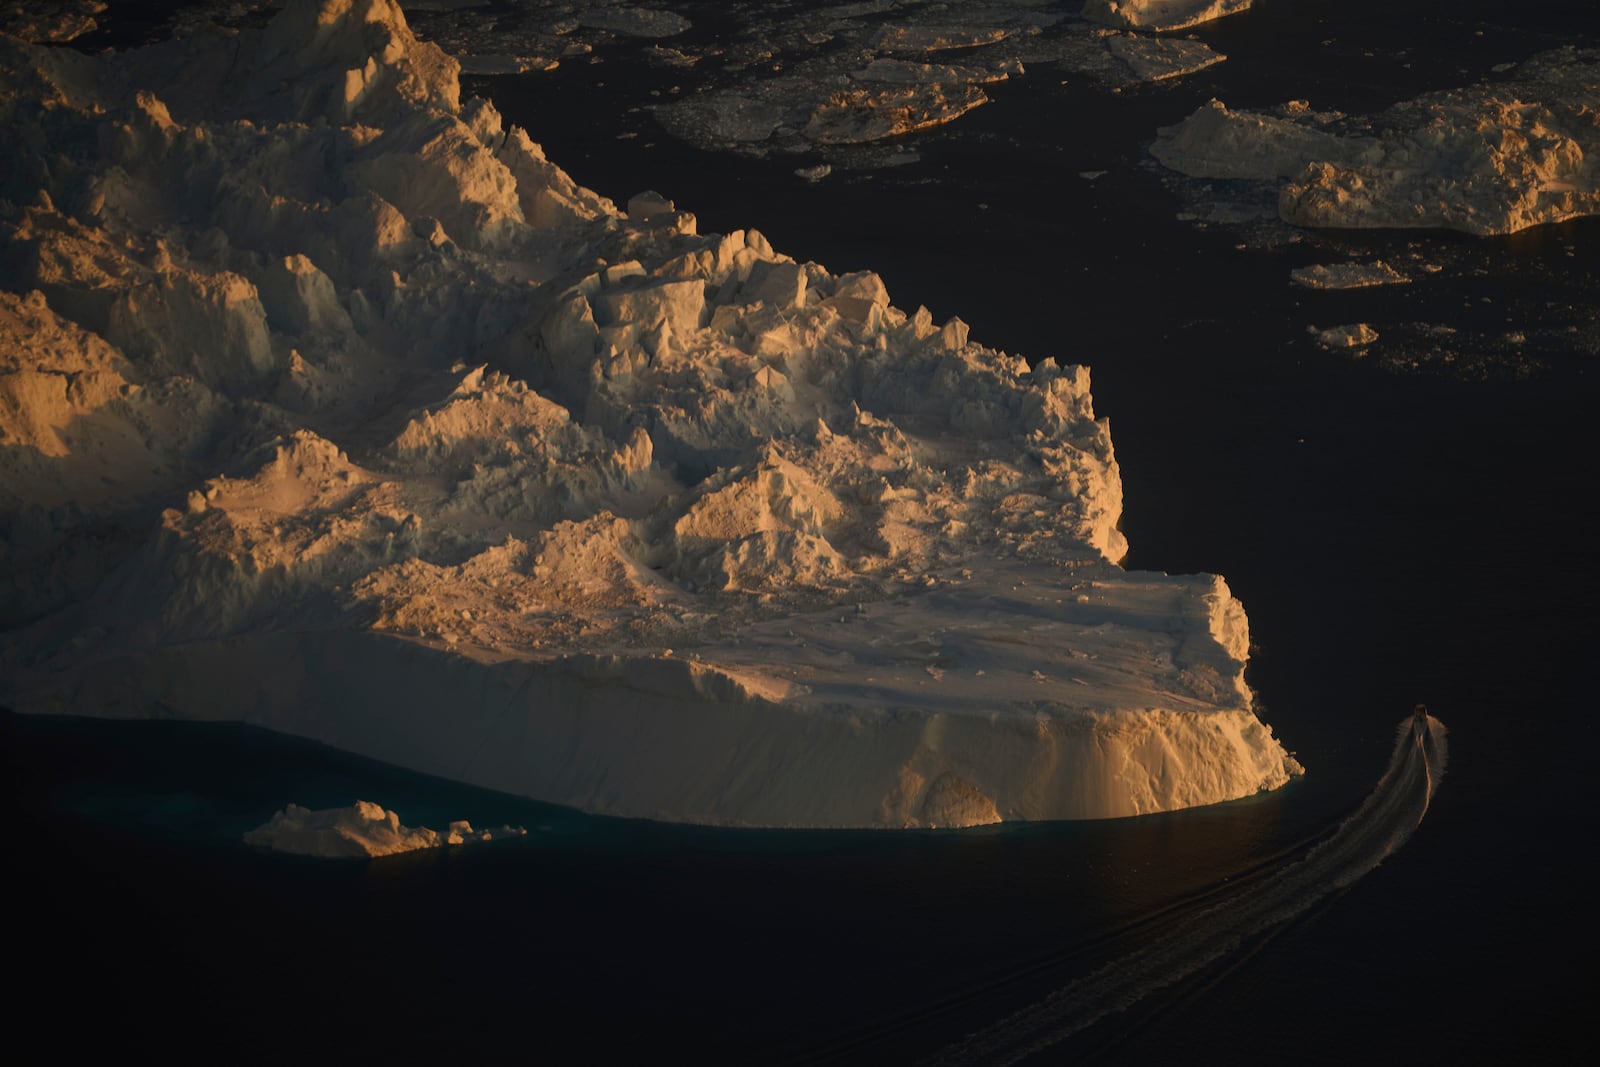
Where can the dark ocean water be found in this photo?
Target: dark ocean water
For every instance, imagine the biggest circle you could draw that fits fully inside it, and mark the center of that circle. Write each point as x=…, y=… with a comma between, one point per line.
x=1398, y=534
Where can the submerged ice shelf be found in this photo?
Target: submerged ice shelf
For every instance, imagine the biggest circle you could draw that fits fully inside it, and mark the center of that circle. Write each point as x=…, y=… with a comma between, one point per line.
x=328, y=403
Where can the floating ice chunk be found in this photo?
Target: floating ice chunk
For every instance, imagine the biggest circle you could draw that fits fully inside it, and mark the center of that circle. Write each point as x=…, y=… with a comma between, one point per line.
x=1488, y=159
x=855, y=116
x=362, y=831
x=1159, y=58
x=1160, y=15
x=1215, y=142
x=1347, y=275
x=493, y=63
x=1354, y=335
x=634, y=21
x=919, y=38
x=903, y=72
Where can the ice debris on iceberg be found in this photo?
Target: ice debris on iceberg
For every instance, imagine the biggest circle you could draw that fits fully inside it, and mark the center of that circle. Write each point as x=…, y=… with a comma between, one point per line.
x=1492, y=158
x=329, y=404
x=362, y=831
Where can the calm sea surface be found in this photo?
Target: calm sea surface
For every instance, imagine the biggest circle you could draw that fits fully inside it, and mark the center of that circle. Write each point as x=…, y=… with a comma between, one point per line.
x=1397, y=533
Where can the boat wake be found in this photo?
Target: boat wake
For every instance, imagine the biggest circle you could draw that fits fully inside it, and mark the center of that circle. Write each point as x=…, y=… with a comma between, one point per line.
x=1385, y=820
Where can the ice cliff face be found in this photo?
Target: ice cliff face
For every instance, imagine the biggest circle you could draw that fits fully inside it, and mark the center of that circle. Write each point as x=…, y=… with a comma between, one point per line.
x=328, y=403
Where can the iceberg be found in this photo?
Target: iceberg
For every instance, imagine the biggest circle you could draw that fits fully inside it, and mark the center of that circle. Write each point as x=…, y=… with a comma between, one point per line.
x=329, y=404
x=1492, y=158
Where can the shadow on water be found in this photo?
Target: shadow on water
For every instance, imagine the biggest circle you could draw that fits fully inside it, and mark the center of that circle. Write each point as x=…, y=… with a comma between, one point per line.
x=739, y=944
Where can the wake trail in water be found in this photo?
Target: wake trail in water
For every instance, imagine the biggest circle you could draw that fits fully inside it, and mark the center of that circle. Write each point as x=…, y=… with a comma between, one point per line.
x=1384, y=821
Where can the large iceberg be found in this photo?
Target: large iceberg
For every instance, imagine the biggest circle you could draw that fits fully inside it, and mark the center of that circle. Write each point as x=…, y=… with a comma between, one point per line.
x=328, y=403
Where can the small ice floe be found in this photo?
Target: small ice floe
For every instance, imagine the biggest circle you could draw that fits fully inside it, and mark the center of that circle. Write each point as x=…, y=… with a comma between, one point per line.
x=1353, y=335
x=1153, y=59
x=1347, y=275
x=494, y=63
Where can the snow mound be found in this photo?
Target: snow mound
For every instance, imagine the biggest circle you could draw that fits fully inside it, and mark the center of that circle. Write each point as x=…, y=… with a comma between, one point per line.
x=362, y=831
x=331, y=404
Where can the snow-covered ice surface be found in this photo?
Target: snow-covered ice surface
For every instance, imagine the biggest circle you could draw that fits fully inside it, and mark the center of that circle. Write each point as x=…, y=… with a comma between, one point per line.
x=449, y=461
x=364, y=830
